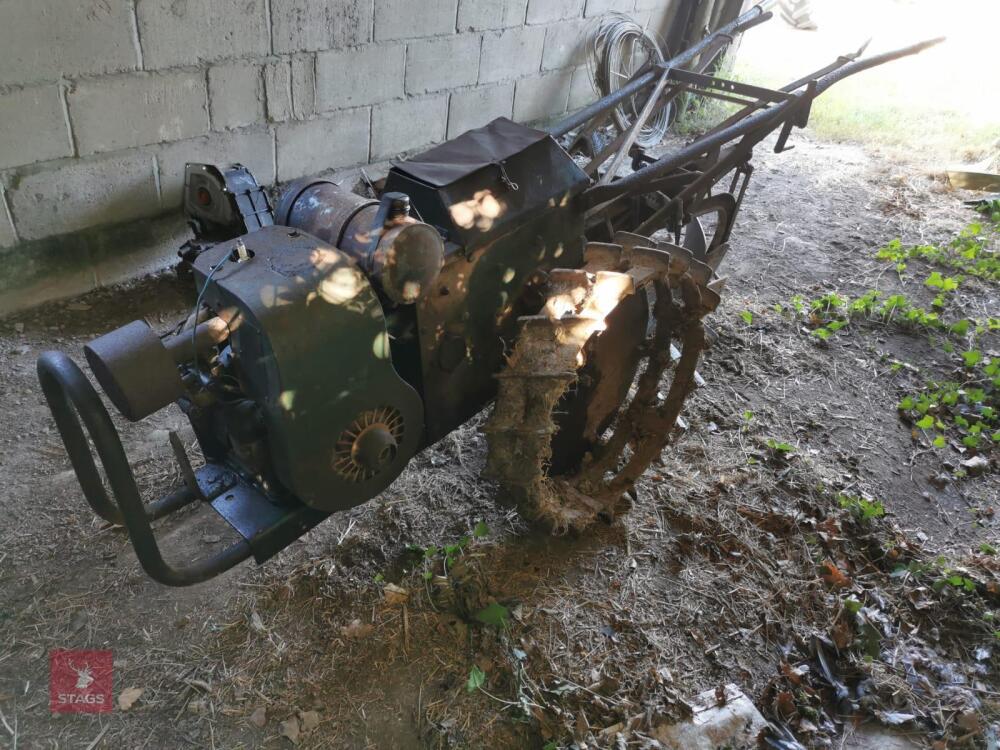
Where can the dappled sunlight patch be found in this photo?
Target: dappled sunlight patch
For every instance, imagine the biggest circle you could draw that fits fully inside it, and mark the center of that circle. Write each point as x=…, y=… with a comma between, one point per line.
x=479, y=212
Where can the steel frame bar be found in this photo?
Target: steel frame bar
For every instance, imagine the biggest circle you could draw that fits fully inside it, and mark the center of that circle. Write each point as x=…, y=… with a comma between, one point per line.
x=752, y=129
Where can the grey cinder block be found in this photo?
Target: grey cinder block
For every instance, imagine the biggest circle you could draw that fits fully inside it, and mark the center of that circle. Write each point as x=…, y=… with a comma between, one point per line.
x=137, y=109
x=599, y=7
x=406, y=125
x=303, y=86
x=566, y=44
x=511, y=54
x=476, y=107
x=359, y=76
x=442, y=63
x=478, y=15
x=235, y=95
x=314, y=146
x=42, y=40
x=73, y=195
x=406, y=19
x=311, y=25
x=32, y=126
x=183, y=32
x=542, y=97
x=547, y=11
x=581, y=90
x=278, y=90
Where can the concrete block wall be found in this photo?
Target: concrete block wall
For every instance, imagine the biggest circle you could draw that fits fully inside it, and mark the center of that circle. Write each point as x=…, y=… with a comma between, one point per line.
x=103, y=101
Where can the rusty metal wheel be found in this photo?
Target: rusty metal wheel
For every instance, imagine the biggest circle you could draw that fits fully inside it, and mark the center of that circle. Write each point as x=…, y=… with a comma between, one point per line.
x=572, y=429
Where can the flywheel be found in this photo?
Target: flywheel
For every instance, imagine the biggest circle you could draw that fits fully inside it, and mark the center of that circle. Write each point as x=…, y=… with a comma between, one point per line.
x=572, y=430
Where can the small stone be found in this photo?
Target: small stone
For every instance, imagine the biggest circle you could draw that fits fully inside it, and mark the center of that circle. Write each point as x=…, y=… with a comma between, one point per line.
x=976, y=465
x=939, y=480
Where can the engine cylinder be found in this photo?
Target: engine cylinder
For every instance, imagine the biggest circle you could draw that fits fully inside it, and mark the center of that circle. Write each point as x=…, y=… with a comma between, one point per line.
x=402, y=255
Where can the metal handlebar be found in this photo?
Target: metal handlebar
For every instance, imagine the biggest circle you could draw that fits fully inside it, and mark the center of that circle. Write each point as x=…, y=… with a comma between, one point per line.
x=72, y=398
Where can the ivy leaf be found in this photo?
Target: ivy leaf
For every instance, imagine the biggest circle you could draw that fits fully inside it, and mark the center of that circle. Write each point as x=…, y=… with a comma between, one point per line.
x=477, y=678
x=480, y=530
x=495, y=614
x=747, y=317
x=939, y=441
x=972, y=358
x=926, y=422
x=779, y=447
x=961, y=327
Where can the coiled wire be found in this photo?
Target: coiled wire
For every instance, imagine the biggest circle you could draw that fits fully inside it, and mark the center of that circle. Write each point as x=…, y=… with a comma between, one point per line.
x=618, y=48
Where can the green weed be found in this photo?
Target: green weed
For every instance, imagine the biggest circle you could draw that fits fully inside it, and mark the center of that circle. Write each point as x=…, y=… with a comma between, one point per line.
x=861, y=508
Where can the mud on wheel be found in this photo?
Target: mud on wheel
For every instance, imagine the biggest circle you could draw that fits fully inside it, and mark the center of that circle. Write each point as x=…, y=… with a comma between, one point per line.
x=572, y=430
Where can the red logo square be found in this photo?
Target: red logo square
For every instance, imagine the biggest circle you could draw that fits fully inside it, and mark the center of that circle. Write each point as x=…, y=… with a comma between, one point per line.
x=80, y=681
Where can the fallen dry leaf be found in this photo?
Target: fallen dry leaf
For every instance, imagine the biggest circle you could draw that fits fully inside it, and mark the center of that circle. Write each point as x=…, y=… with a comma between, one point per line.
x=969, y=722
x=842, y=634
x=357, y=629
x=256, y=622
x=395, y=595
x=128, y=697
x=792, y=674
x=834, y=577
x=309, y=720
x=785, y=705
x=290, y=729
x=259, y=717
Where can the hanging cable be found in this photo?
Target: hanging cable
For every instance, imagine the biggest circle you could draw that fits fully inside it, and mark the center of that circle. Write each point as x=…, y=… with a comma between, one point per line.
x=618, y=48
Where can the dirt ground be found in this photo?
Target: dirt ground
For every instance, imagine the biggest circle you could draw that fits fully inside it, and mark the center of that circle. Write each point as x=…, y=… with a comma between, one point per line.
x=736, y=564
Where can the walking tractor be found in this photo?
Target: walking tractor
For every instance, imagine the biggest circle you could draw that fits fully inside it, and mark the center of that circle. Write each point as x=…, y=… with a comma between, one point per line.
x=561, y=275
